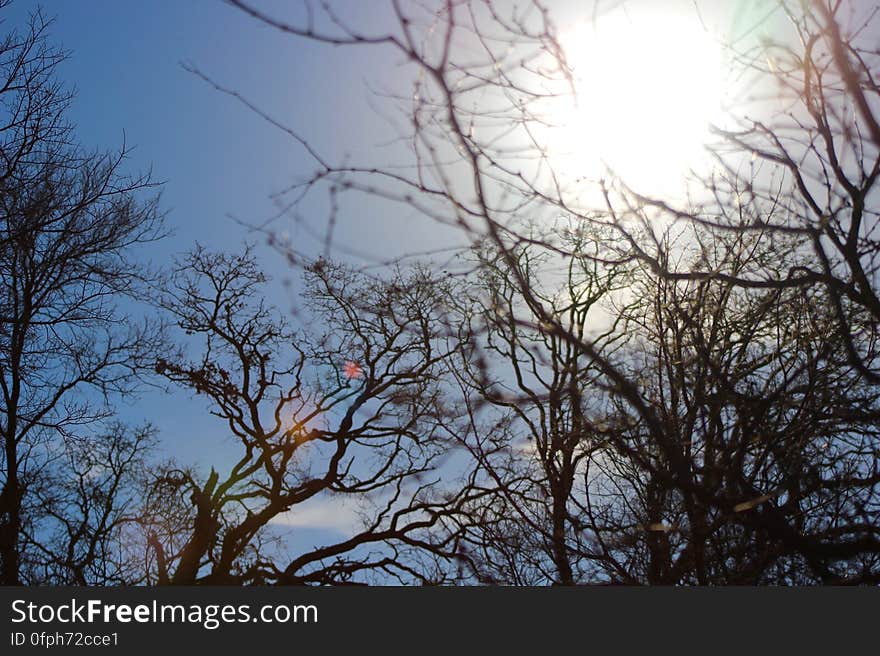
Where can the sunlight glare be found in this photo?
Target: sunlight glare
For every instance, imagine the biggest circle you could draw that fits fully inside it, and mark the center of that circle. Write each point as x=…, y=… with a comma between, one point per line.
x=647, y=87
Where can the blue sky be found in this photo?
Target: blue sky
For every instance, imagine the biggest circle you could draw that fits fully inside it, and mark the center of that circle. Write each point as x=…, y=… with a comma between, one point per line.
x=215, y=156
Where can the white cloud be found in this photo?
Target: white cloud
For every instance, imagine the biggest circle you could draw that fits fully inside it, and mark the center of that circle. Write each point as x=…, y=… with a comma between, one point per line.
x=328, y=513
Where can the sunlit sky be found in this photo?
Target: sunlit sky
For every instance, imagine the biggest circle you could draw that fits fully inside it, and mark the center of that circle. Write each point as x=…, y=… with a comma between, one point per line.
x=650, y=78
x=625, y=62
x=218, y=160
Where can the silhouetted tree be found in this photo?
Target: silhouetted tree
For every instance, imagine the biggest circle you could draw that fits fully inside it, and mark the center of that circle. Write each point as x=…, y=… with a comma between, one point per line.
x=348, y=410
x=82, y=511
x=776, y=428
x=69, y=220
x=537, y=405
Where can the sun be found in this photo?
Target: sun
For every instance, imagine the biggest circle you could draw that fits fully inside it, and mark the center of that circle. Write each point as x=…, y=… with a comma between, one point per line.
x=647, y=86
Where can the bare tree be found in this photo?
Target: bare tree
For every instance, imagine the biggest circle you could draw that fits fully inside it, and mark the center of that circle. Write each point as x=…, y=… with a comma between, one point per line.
x=777, y=430
x=83, y=509
x=778, y=427
x=69, y=220
x=348, y=410
x=536, y=405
